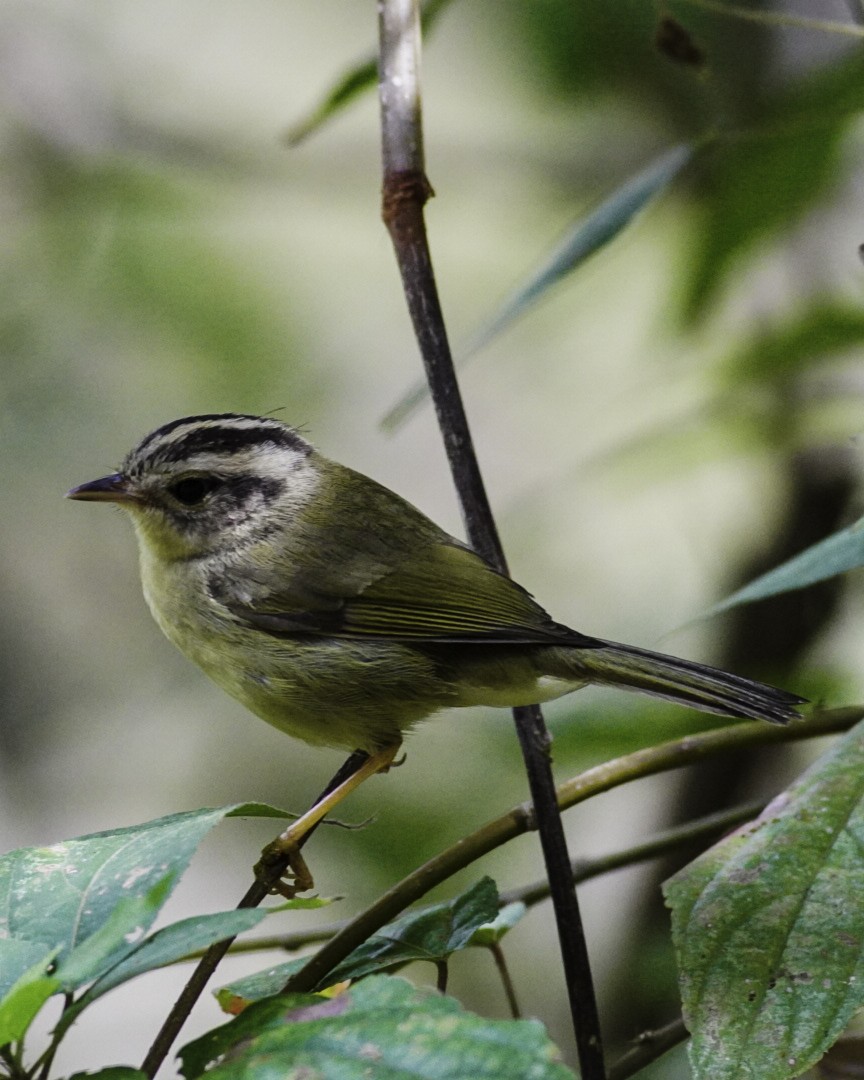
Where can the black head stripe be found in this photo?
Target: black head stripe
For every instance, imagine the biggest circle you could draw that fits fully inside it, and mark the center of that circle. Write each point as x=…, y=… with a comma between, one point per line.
x=166, y=429
x=215, y=433
x=227, y=439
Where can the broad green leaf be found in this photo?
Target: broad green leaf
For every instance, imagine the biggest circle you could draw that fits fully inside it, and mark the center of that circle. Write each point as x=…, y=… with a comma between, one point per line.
x=361, y=77
x=490, y=933
x=26, y=996
x=432, y=934
x=165, y=947
x=381, y=1027
x=579, y=243
x=836, y=554
x=768, y=926
x=176, y=941
x=62, y=895
x=121, y=933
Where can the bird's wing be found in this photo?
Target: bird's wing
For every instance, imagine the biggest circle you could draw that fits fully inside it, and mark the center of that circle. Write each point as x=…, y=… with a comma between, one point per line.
x=446, y=594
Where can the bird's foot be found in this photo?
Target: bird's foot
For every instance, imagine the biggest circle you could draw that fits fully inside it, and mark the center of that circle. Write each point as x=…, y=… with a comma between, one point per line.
x=295, y=877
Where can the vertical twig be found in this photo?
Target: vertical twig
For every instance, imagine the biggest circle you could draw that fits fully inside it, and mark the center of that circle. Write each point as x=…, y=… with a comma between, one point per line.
x=211, y=959
x=504, y=974
x=405, y=191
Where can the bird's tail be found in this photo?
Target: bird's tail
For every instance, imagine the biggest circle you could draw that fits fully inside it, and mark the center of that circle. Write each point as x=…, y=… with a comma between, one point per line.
x=682, y=681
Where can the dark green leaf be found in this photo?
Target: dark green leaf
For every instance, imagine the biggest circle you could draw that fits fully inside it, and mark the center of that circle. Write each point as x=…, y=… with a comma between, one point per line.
x=164, y=947
x=121, y=933
x=836, y=554
x=381, y=1027
x=768, y=927
x=578, y=244
x=27, y=994
x=62, y=895
x=176, y=941
x=432, y=934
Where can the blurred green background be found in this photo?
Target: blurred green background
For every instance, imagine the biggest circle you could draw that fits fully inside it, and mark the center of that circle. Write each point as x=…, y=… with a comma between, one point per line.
x=681, y=414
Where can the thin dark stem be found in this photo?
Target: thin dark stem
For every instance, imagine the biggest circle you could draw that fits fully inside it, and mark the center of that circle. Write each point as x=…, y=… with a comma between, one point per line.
x=405, y=191
x=443, y=974
x=506, y=981
x=648, y=1047
x=211, y=959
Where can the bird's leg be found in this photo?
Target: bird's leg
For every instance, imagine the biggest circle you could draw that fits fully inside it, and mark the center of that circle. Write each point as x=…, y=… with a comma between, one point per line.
x=288, y=844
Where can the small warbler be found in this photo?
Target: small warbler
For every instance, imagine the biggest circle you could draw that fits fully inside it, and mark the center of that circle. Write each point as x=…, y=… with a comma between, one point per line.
x=336, y=611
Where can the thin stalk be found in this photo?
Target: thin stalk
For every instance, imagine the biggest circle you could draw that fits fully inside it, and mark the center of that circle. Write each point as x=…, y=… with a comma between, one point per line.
x=405, y=191
x=212, y=957
x=504, y=974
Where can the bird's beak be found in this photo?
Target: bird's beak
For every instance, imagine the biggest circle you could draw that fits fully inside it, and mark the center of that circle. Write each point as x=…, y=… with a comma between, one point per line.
x=114, y=488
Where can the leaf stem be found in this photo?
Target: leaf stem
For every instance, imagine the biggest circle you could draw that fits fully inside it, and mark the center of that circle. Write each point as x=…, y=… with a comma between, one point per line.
x=506, y=981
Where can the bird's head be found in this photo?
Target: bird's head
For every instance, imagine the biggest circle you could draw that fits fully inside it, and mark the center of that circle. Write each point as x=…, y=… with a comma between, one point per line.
x=203, y=484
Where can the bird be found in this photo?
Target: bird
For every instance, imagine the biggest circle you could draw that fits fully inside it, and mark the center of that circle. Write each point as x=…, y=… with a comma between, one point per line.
x=338, y=612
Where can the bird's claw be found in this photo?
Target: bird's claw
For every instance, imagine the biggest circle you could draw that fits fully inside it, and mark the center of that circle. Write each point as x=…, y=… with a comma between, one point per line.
x=295, y=876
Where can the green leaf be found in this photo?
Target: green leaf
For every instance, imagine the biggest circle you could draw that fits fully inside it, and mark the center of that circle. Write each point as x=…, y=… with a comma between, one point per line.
x=490, y=933
x=836, y=554
x=176, y=941
x=359, y=78
x=262, y=984
x=64, y=894
x=26, y=996
x=768, y=926
x=121, y=933
x=433, y=934
x=165, y=947
x=381, y=1027
x=578, y=244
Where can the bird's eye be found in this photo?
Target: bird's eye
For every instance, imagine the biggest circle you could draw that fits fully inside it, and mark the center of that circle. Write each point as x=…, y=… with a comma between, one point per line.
x=193, y=489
